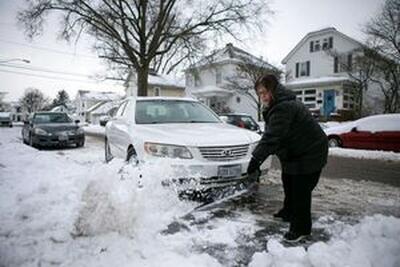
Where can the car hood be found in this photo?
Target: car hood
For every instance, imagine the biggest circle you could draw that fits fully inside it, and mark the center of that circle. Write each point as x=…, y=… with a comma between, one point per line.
x=197, y=134
x=56, y=127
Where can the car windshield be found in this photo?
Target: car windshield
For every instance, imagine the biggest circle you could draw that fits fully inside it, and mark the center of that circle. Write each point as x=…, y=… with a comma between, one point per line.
x=173, y=111
x=51, y=118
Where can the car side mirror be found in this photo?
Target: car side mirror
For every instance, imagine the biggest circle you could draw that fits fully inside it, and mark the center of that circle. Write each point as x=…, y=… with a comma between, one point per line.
x=354, y=130
x=77, y=121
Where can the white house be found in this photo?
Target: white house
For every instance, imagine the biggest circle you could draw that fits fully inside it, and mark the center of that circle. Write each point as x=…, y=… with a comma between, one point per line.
x=207, y=80
x=158, y=85
x=84, y=100
x=316, y=75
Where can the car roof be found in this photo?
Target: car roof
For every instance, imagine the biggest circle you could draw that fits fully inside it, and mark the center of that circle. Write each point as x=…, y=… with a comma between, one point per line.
x=167, y=98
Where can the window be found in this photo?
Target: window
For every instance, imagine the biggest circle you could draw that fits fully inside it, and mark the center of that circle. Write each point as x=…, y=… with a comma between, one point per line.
x=310, y=92
x=157, y=91
x=305, y=68
x=345, y=97
x=350, y=62
x=238, y=99
x=310, y=98
x=302, y=69
x=218, y=76
x=312, y=46
x=325, y=44
x=298, y=92
x=317, y=46
x=345, y=105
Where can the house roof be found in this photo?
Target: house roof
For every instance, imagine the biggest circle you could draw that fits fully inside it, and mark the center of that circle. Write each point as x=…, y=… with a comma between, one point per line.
x=316, y=81
x=211, y=90
x=97, y=95
x=166, y=80
x=230, y=53
x=316, y=33
x=161, y=80
x=105, y=107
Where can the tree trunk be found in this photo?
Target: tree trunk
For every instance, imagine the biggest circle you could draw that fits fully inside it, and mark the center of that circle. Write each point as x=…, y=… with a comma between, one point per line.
x=142, y=80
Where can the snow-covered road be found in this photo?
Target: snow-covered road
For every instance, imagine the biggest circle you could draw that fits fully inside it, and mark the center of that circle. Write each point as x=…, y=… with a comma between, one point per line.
x=66, y=207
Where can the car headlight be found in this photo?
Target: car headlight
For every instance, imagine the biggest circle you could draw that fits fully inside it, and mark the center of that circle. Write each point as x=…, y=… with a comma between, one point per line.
x=170, y=151
x=40, y=131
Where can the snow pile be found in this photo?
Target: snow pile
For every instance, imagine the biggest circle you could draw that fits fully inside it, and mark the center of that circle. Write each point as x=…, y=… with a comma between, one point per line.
x=129, y=199
x=372, y=242
x=364, y=154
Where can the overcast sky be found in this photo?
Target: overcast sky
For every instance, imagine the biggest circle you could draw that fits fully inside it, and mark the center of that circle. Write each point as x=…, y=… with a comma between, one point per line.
x=290, y=23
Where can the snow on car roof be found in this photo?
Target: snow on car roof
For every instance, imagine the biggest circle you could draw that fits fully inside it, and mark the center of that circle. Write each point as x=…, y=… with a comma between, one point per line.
x=140, y=98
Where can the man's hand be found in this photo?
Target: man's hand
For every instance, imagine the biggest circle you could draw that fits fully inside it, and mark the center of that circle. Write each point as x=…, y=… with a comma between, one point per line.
x=254, y=165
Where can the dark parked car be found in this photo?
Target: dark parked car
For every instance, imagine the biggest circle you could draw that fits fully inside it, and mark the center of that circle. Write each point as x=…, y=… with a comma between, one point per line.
x=242, y=120
x=379, y=132
x=52, y=129
x=5, y=119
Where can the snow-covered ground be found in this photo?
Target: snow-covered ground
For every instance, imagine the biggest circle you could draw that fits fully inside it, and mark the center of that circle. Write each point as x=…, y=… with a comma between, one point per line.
x=67, y=207
x=364, y=154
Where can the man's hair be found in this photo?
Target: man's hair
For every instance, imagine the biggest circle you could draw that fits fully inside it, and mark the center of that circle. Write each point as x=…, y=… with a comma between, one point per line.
x=269, y=81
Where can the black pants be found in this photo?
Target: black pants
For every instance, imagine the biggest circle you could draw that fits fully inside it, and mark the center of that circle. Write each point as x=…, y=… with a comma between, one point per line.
x=297, y=202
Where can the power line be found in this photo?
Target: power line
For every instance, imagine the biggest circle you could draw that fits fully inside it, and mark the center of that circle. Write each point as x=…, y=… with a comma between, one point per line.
x=39, y=69
x=47, y=77
x=47, y=49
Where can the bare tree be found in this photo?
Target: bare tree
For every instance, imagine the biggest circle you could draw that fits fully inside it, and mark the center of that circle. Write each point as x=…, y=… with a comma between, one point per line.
x=144, y=34
x=384, y=33
x=248, y=71
x=33, y=100
x=388, y=80
x=360, y=66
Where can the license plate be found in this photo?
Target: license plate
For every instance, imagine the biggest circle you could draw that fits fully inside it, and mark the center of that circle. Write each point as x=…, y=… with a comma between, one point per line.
x=230, y=171
x=63, y=137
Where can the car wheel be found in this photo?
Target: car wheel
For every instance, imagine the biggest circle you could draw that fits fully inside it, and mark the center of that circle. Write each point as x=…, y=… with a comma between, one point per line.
x=131, y=156
x=80, y=144
x=107, y=152
x=334, y=142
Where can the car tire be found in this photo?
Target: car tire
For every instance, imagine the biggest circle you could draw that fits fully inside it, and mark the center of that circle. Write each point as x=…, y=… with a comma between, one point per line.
x=107, y=151
x=334, y=142
x=131, y=156
x=80, y=144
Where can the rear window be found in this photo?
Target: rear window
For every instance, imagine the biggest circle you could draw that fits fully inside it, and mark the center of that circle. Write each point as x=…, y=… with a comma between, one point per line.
x=173, y=111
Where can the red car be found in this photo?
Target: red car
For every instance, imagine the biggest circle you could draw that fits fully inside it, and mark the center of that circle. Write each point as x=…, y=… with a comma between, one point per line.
x=378, y=132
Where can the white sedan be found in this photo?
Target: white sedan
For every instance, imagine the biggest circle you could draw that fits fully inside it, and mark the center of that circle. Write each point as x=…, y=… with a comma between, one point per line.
x=186, y=134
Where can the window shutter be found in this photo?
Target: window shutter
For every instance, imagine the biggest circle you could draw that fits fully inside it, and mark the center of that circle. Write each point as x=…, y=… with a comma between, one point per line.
x=297, y=70
x=330, y=42
x=308, y=68
x=335, y=65
x=312, y=46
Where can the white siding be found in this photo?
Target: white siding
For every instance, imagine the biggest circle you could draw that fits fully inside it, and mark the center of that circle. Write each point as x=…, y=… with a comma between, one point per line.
x=321, y=64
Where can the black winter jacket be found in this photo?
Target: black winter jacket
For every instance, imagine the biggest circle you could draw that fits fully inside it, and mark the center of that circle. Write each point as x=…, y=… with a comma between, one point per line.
x=293, y=135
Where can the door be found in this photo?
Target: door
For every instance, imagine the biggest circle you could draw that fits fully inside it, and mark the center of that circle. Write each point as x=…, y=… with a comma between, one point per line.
x=115, y=132
x=329, y=103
